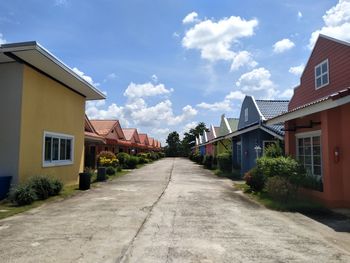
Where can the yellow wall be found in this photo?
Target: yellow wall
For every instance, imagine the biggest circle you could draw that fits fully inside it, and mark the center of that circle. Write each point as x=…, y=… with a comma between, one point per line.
x=220, y=148
x=49, y=106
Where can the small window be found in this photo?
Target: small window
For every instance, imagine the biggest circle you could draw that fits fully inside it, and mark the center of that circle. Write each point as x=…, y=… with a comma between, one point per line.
x=246, y=114
x=58, y=149
x=322, y=74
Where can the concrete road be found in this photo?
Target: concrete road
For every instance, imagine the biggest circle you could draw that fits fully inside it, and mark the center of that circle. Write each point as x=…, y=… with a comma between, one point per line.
x=168, y=211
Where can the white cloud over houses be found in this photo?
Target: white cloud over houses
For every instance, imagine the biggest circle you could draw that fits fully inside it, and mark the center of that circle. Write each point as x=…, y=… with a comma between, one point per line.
x=300, y=15
x=215, y=40
x=241, y=59
x=191, y=18
x=2, y=39
x=157, y=119
x=85, y=77
x=283, y=45
x=336, y=23
x=297, y=70
x=286, y=94
x=257, y=83
x=146, y=90
x=222, y=106
x=235, y=95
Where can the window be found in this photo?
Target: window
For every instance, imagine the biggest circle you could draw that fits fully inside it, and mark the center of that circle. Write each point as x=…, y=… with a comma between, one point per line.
x=309, y=152
x=246, y=114
x=58, y=149
x=322, y=74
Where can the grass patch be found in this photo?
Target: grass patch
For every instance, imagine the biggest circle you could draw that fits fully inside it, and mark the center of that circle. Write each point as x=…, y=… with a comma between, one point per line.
x=300, y=205
x=235, y=175
x=8, y=209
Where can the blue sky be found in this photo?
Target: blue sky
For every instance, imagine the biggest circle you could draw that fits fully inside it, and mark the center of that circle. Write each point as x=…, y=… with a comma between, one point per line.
x=166, y=65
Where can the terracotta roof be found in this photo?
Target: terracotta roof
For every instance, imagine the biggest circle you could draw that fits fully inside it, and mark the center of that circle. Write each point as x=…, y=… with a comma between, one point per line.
x=93, y=136
x=103, y=127
x=151, y=141
x=144, y=138
x=128, y=132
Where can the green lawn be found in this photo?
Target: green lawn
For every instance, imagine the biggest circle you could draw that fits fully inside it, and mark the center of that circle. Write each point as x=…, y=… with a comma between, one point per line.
x=8, y=209
x=299, y=204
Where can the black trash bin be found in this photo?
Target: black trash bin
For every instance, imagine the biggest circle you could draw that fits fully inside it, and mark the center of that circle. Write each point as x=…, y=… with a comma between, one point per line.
x=101, y=174
x=84, y=181
x=5, y=183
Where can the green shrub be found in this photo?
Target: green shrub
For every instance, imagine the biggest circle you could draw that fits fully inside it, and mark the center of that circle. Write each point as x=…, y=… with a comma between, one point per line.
x=279, y=166
x=280, y=188
x=225, y=161
x=123, y=158
x=255, y=180
x=107, y=158
x=132, y=162
x=110, y=170
x=119, y=169
x=273, y=150
x=208, y=161
x=312, y=182
x=56, y=186
x=143, y=158
x=41, y=186
x=22, y=195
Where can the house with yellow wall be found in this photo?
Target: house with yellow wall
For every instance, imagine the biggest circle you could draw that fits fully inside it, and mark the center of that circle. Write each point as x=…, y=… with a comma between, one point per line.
x=227, y=126
x=42, y=113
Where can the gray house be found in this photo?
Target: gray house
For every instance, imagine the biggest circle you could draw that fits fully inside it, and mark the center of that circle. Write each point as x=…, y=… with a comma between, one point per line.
x=253, y=135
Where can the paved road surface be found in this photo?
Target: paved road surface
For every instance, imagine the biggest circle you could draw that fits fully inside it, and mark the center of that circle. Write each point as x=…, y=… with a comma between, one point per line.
x=168, y=211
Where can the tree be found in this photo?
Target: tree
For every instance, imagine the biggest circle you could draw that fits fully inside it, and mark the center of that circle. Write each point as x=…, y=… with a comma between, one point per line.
x=189, y=139
x=174, y=144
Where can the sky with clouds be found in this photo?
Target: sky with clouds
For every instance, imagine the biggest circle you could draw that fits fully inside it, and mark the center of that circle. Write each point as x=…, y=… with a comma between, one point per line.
x=167, y=64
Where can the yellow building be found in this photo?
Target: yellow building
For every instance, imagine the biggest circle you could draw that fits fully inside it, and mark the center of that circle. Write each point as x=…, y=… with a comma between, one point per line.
x=42, y=112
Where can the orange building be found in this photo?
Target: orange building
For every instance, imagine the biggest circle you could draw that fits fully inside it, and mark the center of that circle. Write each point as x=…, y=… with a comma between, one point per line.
x=317, y=123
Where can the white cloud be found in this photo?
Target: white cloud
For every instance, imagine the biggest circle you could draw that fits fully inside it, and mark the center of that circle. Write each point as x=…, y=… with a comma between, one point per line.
x=288, y=93
x=85, y=77
x=300, y=15
x=191, y=18
x=176, y=35
x=235, y=95
x=215, y=39
x=189, y=126
x=154, y=78
x=283, y=45
x=2, y=39
x=110, y=76
x=241, y=59
x=61, y=2
x=222, y=106
x=336, y=23
x=258, y=83
x=137, y=113
x=297, y=70
x=145, y=90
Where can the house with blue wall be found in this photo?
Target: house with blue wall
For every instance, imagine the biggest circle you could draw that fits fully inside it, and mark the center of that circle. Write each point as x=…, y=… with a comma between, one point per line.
x=253, y=135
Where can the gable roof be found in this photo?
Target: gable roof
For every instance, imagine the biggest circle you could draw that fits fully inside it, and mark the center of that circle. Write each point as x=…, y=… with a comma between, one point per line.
x=272, y=108
x=36, y=56
x=233, y=122
x=144, y=138
x=131, y=133
x=90, y=133
x=151, y=141
x=224, y=126
x=104, y=127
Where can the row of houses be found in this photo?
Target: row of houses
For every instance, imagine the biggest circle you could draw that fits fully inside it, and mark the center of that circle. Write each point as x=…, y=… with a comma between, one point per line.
x=108, y=135
x=314, y=125
x=44, y=129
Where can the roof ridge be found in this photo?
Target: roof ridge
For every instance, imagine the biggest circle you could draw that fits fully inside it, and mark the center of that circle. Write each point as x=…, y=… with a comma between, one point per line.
x=274, y=100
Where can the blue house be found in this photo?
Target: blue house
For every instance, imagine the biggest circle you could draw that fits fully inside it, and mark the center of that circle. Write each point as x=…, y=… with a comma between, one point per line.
x=202, y=141
x=253, y=135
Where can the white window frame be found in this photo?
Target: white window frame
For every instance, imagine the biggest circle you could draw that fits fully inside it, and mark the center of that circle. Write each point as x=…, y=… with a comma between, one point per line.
x=310, y=135
x=322, y=74
x=246, y=114
x=58, y=162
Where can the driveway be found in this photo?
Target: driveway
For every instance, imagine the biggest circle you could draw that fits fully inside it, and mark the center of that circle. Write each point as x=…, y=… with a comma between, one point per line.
x=168, y=211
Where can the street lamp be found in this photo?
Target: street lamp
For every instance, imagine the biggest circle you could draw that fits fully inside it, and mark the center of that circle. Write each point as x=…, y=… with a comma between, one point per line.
x=257, y=149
